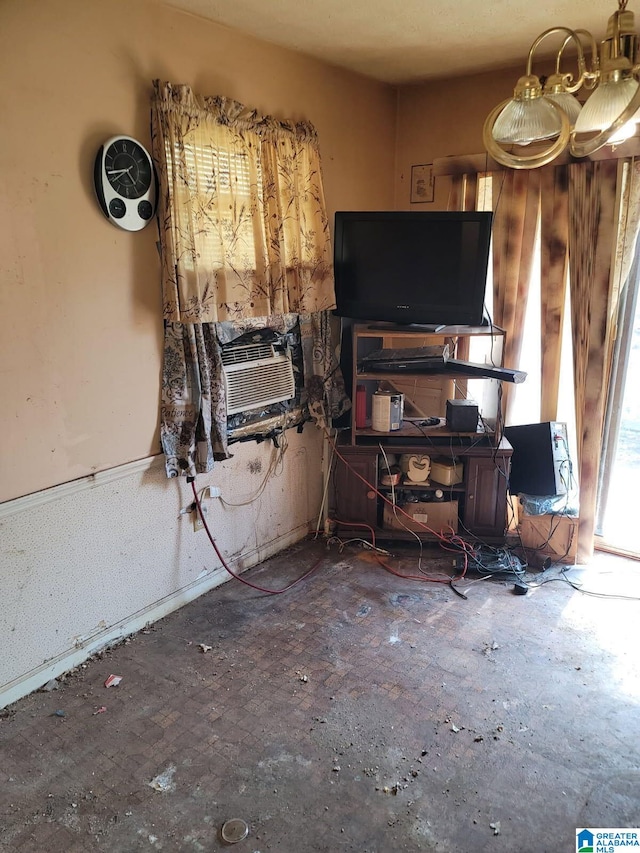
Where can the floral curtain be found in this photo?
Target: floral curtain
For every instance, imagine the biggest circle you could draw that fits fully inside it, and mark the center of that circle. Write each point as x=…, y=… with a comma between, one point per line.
x=193, y=414
x=326, y=398
x=243, y=225
x=245, y=243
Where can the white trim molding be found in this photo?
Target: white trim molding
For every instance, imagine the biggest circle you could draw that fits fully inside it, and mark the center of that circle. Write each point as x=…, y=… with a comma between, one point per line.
x=100, y=478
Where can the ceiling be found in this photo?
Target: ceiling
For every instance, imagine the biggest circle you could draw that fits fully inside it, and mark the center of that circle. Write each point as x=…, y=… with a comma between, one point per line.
x=407, y=40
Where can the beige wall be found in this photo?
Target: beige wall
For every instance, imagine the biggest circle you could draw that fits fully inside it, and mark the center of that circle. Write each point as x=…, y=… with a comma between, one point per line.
x=80, y=352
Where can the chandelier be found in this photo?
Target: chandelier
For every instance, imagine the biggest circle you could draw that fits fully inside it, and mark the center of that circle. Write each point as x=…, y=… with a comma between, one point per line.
x=541, y=121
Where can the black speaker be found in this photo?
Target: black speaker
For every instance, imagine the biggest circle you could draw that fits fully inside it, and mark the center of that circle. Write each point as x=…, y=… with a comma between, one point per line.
x=540, y=464
x=462, y=416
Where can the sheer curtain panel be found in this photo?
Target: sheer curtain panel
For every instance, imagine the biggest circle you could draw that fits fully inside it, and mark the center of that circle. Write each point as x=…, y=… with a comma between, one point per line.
x=243, y=225
x=604, y=205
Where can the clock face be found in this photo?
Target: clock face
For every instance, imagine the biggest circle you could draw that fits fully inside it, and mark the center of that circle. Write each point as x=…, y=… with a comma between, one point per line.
x=125, y=183
x=127, y=168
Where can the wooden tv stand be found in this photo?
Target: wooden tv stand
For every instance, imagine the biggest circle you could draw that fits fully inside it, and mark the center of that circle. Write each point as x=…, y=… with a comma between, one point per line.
x=362, y=453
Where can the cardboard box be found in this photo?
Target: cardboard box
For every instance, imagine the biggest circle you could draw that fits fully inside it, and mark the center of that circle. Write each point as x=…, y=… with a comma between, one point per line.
x=446, y=472
x=437, y=515
x=554, y=536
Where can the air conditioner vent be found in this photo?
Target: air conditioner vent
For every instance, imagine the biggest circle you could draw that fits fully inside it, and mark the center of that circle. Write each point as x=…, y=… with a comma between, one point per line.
x=256, y=376
x=243, y=353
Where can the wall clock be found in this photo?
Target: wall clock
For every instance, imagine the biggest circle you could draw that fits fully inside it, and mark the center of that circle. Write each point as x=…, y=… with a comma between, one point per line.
x=126, y=183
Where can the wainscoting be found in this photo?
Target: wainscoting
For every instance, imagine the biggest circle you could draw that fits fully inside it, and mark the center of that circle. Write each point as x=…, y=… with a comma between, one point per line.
x=88, y=562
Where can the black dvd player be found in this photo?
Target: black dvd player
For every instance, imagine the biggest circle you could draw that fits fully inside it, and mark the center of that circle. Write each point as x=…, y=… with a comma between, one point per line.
x=452, y=365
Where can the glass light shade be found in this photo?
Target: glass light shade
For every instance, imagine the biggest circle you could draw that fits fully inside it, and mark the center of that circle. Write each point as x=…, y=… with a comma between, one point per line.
x=568, y=103
x=525, y=121
x=623, y=133
x=606, y=103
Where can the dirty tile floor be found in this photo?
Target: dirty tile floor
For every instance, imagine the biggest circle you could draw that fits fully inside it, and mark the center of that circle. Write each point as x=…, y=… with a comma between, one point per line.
x=356, y=712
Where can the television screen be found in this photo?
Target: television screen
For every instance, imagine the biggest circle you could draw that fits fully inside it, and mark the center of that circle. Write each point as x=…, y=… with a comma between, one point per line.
x=427, y=268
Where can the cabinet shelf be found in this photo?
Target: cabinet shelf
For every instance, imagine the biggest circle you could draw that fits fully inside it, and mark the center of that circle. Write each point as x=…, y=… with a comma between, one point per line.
x=412, y=432
x=425, y=393
x=377, y=330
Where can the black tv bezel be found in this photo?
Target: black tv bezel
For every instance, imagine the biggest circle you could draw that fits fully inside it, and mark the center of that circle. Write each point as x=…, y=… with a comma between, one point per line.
x=418, y=313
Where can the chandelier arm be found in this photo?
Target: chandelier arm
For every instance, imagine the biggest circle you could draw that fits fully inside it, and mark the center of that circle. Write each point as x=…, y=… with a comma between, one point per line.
x=559, y=54
x=585, y=76
x=524, y=161
x=591, y=75
x=571, y=34
x=584, y=149
x=566, y=77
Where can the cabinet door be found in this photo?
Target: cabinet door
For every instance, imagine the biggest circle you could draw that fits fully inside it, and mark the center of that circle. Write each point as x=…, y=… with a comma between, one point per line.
x=354, y=499
x=485, y=505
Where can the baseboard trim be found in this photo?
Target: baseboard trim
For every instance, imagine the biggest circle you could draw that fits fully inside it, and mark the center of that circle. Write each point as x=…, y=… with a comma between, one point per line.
x=36, y=678
x=100, y=478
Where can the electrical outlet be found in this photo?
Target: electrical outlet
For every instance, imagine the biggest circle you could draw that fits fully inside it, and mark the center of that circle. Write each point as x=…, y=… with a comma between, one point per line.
x=205, y=497
x=197, y=519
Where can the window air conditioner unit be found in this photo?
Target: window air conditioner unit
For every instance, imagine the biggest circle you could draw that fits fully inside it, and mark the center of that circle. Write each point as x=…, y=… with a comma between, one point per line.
x=256, y=376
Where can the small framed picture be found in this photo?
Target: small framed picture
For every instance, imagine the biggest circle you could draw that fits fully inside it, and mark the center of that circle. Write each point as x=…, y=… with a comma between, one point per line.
x=422, y=183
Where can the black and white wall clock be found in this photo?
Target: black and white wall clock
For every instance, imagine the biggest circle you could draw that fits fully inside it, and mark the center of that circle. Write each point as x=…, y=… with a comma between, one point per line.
x=125, y=182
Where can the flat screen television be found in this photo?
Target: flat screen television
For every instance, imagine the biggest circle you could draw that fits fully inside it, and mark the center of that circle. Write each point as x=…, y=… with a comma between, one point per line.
x=424, y=267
